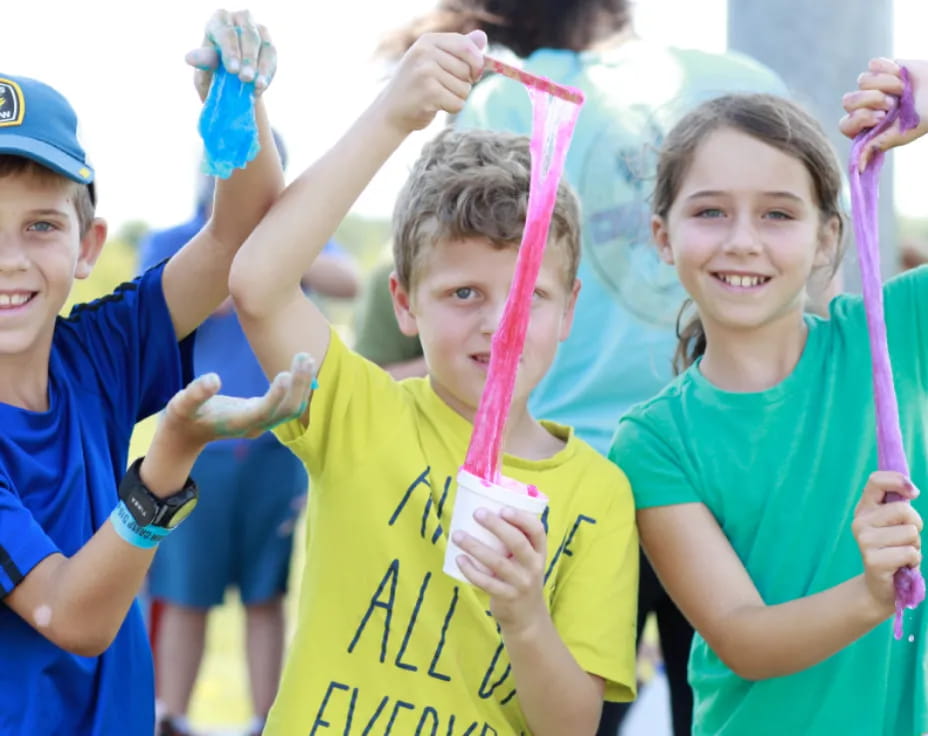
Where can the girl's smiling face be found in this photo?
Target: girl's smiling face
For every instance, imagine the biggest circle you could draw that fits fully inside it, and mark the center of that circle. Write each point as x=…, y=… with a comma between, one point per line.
x=745, y=232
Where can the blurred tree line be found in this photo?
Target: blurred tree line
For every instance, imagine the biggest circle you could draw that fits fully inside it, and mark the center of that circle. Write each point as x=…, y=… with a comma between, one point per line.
x=365, y=239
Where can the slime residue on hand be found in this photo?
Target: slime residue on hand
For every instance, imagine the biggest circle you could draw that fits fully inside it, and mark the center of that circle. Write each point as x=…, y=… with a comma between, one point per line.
x=909, y=584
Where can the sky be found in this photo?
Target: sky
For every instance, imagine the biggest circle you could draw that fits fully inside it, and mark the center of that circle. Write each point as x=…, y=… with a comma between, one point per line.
x=121, y=65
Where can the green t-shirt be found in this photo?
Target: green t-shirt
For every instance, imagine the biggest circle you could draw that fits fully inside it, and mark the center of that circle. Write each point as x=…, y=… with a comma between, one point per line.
x=377, y=335
x=782, y=471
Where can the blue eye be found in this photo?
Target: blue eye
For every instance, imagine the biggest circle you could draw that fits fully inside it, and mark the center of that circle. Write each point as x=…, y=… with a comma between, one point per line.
x=709, y=212
x=779, y=215
x=42, y=226
x=465, y=292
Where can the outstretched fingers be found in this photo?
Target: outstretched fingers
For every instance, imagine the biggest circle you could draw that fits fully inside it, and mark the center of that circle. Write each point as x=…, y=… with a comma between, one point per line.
x=302, y=381
x=187, y=402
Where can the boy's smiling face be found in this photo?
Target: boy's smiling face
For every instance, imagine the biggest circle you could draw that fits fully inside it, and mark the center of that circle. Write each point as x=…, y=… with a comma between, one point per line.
x=42, y=251
x=455, y=305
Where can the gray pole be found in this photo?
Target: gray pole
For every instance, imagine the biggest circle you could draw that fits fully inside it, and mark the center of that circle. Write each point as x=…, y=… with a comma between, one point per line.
x=819, y=47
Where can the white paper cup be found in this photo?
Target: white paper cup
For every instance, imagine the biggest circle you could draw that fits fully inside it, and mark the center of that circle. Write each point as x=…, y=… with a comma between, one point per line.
x=474, y=493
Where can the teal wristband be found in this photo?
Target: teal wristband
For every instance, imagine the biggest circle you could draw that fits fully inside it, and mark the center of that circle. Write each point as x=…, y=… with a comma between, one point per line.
x=144, y=537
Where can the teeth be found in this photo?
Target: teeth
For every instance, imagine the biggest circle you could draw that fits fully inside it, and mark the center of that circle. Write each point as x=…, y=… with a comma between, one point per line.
x=13, y=300
x=737, y=280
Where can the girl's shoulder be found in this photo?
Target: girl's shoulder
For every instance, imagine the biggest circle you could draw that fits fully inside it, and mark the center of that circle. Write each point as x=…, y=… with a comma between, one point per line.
x=662, y=403
x=905, y=297
x=657, y=419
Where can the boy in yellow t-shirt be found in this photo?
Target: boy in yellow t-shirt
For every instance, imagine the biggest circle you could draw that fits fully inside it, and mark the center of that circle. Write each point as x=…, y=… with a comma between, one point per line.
x=385, y=642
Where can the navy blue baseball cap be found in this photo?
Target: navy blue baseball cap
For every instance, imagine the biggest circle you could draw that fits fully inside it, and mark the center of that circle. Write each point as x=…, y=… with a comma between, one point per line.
x=37, y=122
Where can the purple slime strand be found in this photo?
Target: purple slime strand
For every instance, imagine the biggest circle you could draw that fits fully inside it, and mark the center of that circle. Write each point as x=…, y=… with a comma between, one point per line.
x=908, y=582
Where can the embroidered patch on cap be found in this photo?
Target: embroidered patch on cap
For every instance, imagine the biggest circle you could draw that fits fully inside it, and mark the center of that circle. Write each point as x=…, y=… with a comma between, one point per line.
x=12, y=104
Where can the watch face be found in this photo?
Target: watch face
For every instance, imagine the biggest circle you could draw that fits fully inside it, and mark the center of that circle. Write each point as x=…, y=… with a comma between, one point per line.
x=182, y=513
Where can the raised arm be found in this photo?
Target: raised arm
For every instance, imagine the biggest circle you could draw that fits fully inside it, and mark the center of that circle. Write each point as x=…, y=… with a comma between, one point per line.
x=876, y=93
x=196, y=279
x=707, y=580
x=436, y=74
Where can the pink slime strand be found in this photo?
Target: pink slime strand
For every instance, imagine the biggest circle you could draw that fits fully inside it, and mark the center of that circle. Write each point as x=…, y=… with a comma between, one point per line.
x=485, y=450
x=909, y=584
x=570, y=94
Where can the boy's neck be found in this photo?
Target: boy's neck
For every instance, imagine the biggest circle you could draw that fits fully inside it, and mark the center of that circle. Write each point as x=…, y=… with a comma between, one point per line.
x=527, y=438
x=24, y=383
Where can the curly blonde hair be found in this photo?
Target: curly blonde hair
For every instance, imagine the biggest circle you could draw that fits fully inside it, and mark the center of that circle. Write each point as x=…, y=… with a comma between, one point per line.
x=475, y=183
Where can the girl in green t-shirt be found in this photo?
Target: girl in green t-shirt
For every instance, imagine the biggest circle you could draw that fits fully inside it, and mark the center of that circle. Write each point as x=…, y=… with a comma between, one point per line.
x=754, y=471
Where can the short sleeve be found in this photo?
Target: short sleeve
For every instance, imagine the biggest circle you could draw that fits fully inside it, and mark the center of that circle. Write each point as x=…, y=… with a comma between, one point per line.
x=651, y=463
x=23, y=543
x=905, y=305
x=595, y=605
x=378, y=335
x=123, y=347
x=349, y=411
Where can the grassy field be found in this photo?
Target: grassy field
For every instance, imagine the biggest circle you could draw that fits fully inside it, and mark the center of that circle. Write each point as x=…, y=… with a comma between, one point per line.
x=221, y=699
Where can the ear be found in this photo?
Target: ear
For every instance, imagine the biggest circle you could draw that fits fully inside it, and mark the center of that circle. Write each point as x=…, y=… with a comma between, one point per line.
x=91, y=245
x=828, y=241
x=402, y=308
x=568, y=320
x=661, y=238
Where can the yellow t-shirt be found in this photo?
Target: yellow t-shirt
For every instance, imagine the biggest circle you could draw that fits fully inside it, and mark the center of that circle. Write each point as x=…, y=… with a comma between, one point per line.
x=385, y=641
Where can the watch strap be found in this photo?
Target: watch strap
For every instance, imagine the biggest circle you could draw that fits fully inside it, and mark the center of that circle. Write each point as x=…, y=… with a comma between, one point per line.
x=144, y=537
x=146, y=508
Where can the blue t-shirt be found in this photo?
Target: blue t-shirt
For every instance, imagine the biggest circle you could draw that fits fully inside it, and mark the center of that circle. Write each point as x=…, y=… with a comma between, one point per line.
x=622, y=342
x=113, y=362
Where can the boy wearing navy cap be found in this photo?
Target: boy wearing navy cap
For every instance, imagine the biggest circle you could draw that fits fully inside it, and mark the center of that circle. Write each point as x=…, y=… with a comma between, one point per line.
x=75, y=540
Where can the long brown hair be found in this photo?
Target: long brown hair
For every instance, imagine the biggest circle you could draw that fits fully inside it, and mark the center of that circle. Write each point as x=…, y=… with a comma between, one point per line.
x=524, y=26
x=773, y=120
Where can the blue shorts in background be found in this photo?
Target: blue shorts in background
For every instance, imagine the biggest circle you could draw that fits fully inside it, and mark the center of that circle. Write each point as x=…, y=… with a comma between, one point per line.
x=241, y=533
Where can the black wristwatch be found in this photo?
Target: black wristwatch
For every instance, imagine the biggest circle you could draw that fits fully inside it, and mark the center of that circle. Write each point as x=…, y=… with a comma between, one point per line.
x=147, y=509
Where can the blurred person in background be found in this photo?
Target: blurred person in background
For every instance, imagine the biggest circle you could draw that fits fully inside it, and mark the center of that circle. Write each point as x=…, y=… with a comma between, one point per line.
x=251, y=493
